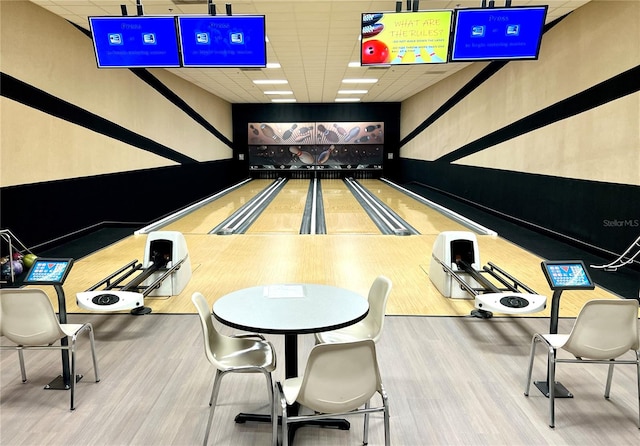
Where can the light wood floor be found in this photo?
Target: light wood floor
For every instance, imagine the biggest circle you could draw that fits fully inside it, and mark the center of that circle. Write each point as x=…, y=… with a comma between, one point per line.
x=450, y=380
x=351, y=255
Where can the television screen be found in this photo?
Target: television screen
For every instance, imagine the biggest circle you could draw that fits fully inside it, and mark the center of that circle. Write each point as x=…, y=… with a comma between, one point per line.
x=48, y=271
x=405, y=38
x=135, y=42
x=567, y=275
x=497, y=33
x=223, y=41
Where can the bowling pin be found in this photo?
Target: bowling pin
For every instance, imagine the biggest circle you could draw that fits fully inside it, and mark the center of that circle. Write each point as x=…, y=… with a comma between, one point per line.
x=305, y=157
x=340, y=129
x=352, y=134
x=399, y=56
x=432, y=54
x=255, y=130
x=324, y=156
x=365, y=138
x=418, y=56
x=302, y=137
x=269, y=133
x=371, y=128
x=289, y=132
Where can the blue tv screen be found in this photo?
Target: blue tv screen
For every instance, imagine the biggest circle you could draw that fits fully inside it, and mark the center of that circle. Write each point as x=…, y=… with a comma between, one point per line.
x=497, y=33
x=135, y=42
x=223, y=41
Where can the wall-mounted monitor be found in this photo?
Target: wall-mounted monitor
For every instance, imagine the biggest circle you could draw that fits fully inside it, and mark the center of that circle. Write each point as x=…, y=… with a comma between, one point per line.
x=405, y=38
x=567, y=275
x=135, y=42
x=483, y=34
x=223, y=41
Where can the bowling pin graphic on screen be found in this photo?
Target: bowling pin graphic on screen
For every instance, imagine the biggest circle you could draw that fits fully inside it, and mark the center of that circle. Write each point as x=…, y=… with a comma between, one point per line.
x=303, y=156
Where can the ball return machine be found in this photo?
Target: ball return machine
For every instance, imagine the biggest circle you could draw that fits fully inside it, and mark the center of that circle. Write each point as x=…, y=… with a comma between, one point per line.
x=165, y=271
x=455, y=272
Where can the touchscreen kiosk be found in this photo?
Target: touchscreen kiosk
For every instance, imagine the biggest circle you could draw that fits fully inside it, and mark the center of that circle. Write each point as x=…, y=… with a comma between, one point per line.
x=48, y=271
x=567, y=275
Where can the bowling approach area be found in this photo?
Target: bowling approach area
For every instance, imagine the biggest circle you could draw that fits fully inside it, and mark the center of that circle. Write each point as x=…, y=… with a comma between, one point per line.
x=452, y=379
x=350, y=253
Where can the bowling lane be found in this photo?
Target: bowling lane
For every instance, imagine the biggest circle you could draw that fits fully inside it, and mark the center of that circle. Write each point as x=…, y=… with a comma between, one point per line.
x=284, y=214
x=204, y=219
x=343, y=213
x=423, y=218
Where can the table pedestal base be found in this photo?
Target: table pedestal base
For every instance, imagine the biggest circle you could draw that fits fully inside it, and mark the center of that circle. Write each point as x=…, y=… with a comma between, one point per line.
x=58, y=383
x=335, y=423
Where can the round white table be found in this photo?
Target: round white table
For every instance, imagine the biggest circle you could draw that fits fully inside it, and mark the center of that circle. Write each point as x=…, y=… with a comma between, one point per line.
x=290, y=310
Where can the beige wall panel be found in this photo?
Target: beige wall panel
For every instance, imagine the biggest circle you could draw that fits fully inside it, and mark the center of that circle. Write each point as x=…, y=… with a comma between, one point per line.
x=64, y=66
x=54, y=149
x=559, y=149
x=594, y=43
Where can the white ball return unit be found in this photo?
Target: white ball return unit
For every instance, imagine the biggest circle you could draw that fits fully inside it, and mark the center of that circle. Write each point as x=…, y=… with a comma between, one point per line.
x=165, y=271
x=455, y=272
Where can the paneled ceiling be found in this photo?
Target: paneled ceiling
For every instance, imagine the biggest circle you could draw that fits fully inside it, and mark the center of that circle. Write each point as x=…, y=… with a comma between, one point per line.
x=311, y=42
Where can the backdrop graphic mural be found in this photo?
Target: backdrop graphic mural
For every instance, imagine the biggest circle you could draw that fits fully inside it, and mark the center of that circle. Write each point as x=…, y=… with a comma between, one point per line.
x=316, y=145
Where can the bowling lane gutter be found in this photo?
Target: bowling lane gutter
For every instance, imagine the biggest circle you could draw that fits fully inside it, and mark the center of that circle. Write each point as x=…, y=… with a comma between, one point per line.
x=243, y=218
x=313, y=221
x=388, y=221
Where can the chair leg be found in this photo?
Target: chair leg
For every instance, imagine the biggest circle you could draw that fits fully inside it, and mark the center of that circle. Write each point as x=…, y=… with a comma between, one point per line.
x=93, y=353
x=23, y=371
x=365, y=436
x=387, y=430
x=531, y=358
x=607, y=388
x=638, y=377
x=285, y=422
x=552, y=385
x=212, y=403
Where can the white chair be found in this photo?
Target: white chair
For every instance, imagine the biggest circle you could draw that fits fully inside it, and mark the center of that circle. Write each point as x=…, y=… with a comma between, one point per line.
x=237, y=354
x=29, y=321
x=604, y=330
x=371, y=326
x=338, y=380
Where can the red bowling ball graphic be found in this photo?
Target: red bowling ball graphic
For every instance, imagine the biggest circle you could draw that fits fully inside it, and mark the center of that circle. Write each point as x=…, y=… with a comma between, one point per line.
x=374, y=52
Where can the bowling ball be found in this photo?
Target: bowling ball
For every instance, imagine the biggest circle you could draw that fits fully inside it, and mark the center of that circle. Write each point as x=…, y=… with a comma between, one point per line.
x=374, y=52
x=17, y=255
x=28, y=260
x=18, y=268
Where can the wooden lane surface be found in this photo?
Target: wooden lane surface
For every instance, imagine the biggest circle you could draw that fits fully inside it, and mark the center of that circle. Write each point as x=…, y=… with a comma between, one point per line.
x=284, y=214
x=421, y=217
x=207, y=217
x=343, y=213
x=222, y=264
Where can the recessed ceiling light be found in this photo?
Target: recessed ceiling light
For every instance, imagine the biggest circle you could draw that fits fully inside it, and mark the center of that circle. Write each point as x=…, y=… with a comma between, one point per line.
x=278, y=92
x=353, y=91
x=359, y=81
x=273, y=65
x=347, y=100
x=354, y=65
x=283, y=100
x=270, y=82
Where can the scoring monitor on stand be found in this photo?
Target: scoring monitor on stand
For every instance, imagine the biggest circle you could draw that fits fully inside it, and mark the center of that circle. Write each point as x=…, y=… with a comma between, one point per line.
x=54, y=272
x=562, y=275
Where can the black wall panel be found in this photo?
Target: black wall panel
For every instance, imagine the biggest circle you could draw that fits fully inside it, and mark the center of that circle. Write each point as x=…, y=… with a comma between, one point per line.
x=38, y=213
x=605, y=216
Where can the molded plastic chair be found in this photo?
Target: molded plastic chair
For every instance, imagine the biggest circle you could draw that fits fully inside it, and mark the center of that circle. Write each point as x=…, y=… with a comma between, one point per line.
x=371, y=326
x=339, y=378
x=29, y=321
x=604, y=330
x=237, y=354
